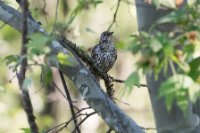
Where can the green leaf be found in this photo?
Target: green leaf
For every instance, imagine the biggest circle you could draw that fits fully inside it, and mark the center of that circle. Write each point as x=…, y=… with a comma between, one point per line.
x=194, y=68
x=27, y=82
x=11, y=59
x=189, y=50
x=9, y=33
x=144, y=34
x=26, y=130
x=169, y=101
x=172, y=17
x=120, y=45
x=38, y=43
x=168, y=50
x=65, y=59
x=176, y=88
x=132, y=80
x=38, y=40
x=182, y=99
x=135, y=48
x=167, y=88
x=155, y=45
x=96, y=2
x=46, y=75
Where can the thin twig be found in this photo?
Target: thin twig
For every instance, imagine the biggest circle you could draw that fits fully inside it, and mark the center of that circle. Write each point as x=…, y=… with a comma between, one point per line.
x=121, y=101
x=123, y=81
x=87, y=116
x=22, y=72
x=148, y=128
x=78, y=114
x=115, y=15
x=69, y=101
x=80, y=110
x=65, y=97
x=64, y=123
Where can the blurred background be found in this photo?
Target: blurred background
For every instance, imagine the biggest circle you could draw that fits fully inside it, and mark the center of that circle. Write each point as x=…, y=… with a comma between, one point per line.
x=50, y=107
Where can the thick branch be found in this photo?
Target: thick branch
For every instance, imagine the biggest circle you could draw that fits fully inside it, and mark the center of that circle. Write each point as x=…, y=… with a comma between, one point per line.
x=82, y=78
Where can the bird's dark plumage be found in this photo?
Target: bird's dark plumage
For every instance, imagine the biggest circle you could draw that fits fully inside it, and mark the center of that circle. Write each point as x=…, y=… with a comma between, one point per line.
x=104, y=54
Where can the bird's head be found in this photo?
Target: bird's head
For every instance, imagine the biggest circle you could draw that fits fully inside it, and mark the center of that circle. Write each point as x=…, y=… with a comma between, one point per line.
x=106, y=36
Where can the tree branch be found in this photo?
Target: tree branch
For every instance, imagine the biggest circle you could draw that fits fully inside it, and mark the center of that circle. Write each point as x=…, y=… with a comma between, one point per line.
x=81, y=77
x=22, y=72
x=115, y=15
x=69, y=101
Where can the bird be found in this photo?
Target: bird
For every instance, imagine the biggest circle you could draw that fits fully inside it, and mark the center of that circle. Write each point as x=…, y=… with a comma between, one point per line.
x=104, y=54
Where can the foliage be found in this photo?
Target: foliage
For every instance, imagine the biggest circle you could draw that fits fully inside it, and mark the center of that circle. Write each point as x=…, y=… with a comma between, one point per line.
x=12, y=61
x=81, y=6
x=38, y=45
x=46, y=75
x=176, y=49
x=132, y=80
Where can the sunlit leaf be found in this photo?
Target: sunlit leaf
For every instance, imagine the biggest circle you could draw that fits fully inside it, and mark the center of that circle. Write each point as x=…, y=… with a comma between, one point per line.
x=65, y=59
x=168, y=50
x=182, y=99
x=167, y=88
x=26, y=130
x=155, y=45
x=9, y=33
x=120, y=45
